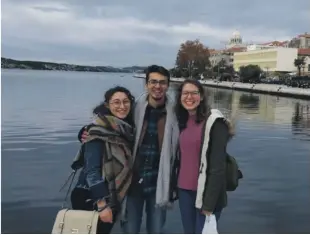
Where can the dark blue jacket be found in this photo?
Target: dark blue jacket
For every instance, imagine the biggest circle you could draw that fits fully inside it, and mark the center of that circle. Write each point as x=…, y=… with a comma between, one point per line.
x=91, y=174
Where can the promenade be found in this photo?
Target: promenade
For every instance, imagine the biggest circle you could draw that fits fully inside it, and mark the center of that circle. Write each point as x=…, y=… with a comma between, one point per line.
x=272, y=89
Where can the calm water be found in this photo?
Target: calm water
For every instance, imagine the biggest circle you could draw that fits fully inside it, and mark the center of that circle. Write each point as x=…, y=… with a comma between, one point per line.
x=43, y=111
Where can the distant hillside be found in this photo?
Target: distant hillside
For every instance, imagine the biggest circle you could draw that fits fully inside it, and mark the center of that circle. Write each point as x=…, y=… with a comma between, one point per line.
x=136, y=69
x=41, y=65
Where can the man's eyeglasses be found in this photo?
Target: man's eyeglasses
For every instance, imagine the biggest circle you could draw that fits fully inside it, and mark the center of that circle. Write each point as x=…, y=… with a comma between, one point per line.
x=154, y=82
x=118, y=103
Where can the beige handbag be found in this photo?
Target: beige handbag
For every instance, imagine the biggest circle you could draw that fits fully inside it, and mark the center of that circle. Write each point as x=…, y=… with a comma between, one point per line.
x=75, y=221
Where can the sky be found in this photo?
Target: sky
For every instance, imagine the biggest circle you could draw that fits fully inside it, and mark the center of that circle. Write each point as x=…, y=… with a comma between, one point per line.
x=140, y=32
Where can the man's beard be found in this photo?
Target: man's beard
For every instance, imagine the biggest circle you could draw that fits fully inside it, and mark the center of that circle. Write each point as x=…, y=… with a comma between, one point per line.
x=157, y=98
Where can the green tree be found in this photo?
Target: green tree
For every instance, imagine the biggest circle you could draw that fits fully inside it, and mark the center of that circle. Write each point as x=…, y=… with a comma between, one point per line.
x=185, y=73
x=250, y=73
x=230, y=69
x=176, y=72
x=299, y=63
x=223, y=67
x=219, y=67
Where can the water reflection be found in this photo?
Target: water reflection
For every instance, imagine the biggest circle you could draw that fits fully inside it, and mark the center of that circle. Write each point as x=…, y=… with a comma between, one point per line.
x=266, y=109
x=249, y=102
x=301, y=120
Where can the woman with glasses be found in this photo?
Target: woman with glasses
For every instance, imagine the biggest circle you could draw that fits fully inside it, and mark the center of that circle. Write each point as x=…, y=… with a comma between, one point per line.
x=200, y=177
x=105, y=159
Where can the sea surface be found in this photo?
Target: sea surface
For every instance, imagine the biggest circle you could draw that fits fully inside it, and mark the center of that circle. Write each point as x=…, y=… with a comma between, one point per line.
x=42, y=112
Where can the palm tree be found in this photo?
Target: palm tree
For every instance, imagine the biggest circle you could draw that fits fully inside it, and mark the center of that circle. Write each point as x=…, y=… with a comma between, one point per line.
x=299, y=63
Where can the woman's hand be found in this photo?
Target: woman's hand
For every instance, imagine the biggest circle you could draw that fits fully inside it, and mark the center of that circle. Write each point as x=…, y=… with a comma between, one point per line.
x=206, y=213
x=105, y=215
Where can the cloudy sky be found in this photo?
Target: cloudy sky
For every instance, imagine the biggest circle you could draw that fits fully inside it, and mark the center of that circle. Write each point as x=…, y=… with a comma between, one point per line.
x=139, y=32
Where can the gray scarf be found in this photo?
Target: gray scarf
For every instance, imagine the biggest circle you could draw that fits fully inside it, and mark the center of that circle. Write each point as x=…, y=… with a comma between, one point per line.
x=169, y=146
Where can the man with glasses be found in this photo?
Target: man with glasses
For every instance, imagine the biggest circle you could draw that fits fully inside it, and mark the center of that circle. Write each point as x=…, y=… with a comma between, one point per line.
x=154, y=152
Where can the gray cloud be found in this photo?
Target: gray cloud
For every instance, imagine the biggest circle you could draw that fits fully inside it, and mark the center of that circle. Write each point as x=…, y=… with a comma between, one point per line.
x=131, y=32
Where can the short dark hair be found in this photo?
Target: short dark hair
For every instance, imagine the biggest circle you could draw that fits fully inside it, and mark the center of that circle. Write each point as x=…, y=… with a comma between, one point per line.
x=203, y=109
x=156, y=69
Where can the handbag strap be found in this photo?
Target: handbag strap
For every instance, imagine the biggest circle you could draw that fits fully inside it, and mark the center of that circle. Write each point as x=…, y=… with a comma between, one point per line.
x=62, y=223
x=90, y=224
x=71, y=176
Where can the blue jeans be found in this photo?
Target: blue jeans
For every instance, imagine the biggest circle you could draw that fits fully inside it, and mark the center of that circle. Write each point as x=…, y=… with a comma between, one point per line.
x=192, y=218
x=155, y=216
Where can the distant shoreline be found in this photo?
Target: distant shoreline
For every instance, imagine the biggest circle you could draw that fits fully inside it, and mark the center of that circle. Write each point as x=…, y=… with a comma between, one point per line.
x=42, y=70
x=7, y=63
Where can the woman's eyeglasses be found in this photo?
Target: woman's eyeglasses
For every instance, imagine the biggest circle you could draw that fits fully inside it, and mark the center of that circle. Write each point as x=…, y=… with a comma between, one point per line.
x=192, y=93
x=118, y=103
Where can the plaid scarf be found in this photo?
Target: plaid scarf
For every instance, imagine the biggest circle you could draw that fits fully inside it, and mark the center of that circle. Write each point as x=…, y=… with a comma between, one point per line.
x=115, y=126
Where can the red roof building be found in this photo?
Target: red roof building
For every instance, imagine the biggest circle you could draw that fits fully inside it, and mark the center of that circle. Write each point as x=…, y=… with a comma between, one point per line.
x=304, y=52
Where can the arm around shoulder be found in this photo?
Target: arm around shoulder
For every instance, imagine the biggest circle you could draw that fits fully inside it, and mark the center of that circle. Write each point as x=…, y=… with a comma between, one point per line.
x=81, y=133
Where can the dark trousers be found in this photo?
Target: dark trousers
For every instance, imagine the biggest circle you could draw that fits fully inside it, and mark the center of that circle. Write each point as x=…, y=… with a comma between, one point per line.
x=80, y=200
x=155, y=216
x=192, y=219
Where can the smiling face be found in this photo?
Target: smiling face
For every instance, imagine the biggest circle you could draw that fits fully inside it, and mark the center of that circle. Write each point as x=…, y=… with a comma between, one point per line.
x=190, y=97
x=119, y=105
x=157, y=86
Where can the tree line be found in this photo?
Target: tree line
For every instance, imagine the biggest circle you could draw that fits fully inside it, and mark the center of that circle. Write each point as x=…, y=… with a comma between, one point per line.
x=193, y=61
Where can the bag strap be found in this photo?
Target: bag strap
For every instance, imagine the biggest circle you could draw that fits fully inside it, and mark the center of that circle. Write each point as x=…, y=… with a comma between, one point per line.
x=62, y=223
x=90, y=224
x=71, y=176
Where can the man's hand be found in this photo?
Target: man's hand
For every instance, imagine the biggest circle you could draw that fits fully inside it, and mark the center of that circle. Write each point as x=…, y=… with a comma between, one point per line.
x=84, y=136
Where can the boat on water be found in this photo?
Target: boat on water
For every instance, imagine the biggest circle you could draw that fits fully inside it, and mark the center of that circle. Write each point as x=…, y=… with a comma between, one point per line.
x=139, y=75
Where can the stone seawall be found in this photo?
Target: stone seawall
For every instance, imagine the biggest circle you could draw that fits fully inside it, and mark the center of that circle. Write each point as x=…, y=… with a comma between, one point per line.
x=272, y=89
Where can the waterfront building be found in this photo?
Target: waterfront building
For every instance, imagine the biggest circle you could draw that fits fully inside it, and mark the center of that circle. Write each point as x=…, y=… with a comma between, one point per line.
x=279, y=59
x=234, y=44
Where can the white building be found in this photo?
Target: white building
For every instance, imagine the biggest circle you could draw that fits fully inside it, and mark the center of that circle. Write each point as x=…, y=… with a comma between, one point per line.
x=268, y=45
x=233, y=45
x=255, y=47
x=279, y=59
x=235, y=40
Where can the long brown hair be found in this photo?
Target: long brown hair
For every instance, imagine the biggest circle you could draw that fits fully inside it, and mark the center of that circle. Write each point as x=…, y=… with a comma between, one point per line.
x=203, y=109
